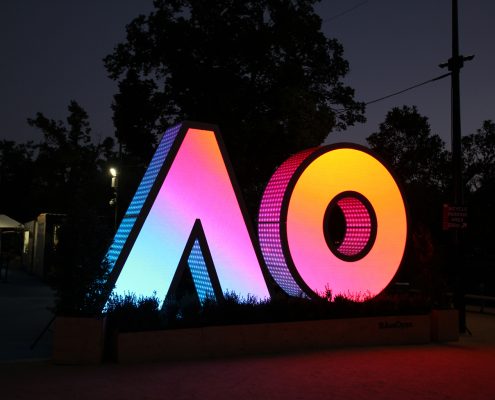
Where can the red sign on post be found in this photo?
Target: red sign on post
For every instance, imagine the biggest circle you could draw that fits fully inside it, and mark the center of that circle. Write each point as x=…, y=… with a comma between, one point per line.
x=454, y=217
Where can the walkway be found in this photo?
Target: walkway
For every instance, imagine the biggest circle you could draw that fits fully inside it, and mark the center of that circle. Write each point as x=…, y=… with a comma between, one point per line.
x=25, y=305
x=461, y=370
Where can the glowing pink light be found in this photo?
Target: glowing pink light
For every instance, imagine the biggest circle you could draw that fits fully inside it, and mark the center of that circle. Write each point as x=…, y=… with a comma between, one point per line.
x=269, y=224
x=358, y=226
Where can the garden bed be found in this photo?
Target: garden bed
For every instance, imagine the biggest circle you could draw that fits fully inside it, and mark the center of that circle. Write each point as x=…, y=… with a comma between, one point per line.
x=139, y=330
x=266, y=338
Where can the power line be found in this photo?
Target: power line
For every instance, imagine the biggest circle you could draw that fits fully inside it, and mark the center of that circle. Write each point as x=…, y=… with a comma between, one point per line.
x=399, y=92
x=344, y=12
x=409, y=88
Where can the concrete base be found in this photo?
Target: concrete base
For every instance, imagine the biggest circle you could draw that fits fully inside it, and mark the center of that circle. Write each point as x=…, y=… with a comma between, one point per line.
x=78, y=340
x=444, y=325
x=221, y=341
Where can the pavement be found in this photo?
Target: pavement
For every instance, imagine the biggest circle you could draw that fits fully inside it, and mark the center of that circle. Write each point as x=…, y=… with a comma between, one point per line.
x=26, y=306
x=456, y=370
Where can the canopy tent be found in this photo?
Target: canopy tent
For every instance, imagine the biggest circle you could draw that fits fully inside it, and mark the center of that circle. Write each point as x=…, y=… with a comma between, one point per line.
x=8, y=226
x=9, y=223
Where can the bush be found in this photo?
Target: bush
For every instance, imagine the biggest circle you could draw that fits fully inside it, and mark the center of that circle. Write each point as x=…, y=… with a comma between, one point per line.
x=130, y=313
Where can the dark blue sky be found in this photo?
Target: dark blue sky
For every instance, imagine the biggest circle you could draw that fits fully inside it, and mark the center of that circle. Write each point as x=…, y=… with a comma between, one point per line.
x=52, y=52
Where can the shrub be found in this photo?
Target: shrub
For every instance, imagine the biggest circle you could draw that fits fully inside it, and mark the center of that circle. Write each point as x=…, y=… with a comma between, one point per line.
x=129, y=313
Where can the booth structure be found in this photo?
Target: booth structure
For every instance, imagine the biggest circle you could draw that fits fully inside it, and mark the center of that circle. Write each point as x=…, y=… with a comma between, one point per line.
x=40, y=243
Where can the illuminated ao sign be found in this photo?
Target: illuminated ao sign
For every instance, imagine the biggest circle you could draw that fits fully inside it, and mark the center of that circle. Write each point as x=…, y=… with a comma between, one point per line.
x=330, y=218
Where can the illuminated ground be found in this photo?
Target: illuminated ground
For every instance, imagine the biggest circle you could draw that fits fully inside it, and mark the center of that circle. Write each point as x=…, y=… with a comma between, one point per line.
x=463, y=370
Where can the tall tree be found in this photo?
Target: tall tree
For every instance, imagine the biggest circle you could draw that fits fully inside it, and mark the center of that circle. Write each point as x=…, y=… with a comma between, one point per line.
x=479, y=174
x=420, y=160
x=70, y=178
x=260, y=69
x=405, y=141
x=135, y=116
x=68, y=166
x=16, y=174
x=479, y=156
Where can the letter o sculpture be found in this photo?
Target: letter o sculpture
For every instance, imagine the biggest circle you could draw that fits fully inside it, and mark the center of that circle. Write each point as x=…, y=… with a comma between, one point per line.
x=308, y=198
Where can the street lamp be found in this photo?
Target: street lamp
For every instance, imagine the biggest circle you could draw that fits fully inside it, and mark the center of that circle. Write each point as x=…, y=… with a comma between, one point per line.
x=115, y=185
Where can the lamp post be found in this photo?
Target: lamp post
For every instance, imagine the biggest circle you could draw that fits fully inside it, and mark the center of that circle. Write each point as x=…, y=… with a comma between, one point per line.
x=115, y=185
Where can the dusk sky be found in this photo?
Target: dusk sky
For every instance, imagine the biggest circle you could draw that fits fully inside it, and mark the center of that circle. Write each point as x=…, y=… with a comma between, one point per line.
x=52, y=53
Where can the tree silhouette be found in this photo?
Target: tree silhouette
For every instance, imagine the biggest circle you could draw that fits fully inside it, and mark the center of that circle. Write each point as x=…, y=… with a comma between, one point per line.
x=16, y=174
x=68, y=167
x=421, y=162
x=70, y=178
x=405, y=141
x=479, y=156
x=260, y=69
x=479, y=174
x=134, y=117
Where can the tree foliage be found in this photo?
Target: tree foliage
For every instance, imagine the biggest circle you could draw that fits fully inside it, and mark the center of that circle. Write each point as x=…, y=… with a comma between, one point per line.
x=405, y=141
x=70, y=178
x=260, y=69
x=479, y=173
x=16, y=174
x=479, y=157
x=80, y=272
x=68, y=166
x=421, y=162
x=135, y=116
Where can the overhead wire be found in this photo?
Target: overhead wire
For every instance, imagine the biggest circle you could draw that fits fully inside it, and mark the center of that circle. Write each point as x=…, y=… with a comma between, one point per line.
x=389, y=95
x=344, y=12
x=400, y=91
x=409, y=88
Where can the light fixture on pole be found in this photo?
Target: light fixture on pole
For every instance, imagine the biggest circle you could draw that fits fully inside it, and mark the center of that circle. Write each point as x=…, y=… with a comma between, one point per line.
x=115, y=185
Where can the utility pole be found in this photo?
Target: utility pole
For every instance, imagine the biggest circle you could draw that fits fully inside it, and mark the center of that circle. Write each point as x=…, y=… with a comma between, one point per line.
x=454, y=65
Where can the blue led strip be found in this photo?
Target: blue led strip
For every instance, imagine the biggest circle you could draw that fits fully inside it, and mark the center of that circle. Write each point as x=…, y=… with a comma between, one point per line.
x=199, y=272
x=141, y=195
